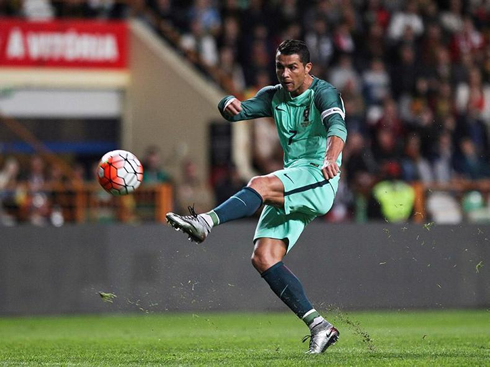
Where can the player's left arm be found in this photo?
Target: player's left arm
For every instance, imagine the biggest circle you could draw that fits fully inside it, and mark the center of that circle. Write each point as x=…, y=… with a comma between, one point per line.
x=330, y=168
x=331, y=107
x=232, y=109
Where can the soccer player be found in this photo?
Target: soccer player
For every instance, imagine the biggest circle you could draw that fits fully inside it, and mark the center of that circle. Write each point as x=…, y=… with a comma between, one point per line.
x=309, y=114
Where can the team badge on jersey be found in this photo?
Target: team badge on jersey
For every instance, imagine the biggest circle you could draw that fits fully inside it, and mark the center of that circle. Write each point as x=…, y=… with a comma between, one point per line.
x=306, y=114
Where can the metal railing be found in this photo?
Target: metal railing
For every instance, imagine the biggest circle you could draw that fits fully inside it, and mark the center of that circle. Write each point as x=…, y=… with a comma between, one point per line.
x=87, y=203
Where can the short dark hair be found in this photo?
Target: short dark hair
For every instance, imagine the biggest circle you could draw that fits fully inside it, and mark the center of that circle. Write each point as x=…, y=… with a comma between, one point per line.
x=291, y=47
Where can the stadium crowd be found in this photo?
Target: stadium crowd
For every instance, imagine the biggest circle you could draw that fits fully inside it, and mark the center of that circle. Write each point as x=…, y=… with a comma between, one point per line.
x=414, y=75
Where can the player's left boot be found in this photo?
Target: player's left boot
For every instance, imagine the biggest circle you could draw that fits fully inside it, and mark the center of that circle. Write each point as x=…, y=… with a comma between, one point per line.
x=322, y=336
x=194, y=225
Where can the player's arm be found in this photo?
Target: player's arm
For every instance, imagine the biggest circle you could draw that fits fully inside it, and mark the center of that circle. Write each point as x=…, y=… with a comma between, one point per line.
x=232, y=109
x=332, y=110
x=330, y=168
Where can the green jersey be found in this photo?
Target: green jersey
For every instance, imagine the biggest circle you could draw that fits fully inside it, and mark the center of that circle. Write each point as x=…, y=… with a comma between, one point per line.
x=303, y=123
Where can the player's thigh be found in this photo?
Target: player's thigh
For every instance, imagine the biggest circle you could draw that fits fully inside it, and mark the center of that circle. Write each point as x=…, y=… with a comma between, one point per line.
x=306, y=190
x=276, y=224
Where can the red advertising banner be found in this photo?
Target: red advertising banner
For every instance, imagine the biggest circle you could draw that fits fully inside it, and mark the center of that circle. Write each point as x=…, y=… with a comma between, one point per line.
x=63, y=43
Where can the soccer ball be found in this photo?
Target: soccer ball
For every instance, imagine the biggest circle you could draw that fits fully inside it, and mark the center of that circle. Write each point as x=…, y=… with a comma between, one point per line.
x=119, y=172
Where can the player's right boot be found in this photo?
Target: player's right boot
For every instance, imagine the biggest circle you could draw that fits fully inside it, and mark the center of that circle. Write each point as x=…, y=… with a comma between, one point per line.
x=194, y=225
x=322, y=336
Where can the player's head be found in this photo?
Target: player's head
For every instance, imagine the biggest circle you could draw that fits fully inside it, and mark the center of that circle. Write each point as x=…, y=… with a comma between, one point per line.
x=293, y=65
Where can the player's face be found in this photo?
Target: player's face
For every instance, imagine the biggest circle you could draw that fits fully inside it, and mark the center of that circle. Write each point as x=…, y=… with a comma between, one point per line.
x=292, y=73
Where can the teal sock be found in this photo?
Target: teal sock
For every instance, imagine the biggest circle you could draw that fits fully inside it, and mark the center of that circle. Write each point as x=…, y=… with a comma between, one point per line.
x=243, y=204
x=288, y=288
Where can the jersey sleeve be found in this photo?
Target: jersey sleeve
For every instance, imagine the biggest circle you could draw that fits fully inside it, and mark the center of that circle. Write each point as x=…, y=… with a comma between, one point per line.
x=332, y=110
x=255, y=107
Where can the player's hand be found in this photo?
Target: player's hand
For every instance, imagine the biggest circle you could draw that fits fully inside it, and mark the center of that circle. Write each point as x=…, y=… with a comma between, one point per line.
x=234, y=107
x=330, y=169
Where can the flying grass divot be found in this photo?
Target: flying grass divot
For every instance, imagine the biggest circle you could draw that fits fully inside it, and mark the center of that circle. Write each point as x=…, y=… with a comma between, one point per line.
x=107, y=297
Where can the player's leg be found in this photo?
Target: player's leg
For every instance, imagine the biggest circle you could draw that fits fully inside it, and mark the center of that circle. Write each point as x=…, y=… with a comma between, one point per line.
x=276, y=234
x=267, y=259
x=262, y=189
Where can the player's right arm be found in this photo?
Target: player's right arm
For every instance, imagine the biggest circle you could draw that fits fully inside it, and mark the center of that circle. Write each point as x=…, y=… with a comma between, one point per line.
x=232, y=109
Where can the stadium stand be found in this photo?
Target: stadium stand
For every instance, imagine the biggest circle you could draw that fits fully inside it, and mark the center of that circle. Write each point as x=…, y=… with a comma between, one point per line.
x=414, y=75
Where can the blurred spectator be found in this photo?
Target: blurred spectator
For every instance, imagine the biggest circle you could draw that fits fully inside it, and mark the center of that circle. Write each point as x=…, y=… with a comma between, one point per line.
x=230, y=35
x=38, y=205
x=473, y=97
x=358, y=157
x=404, y=73
x=9, y=174
x=442, y=103
x=343, y=41
x=267, y=152
x=408, y=18
x=354, y=108
x=385, y=146
x=231, y=72
x=343, y=204
x=326, y=9
x=192, y=189
x=376, y=83
x=78, y=177
x=430, y=43
x=152, y=170
x=56, y=179
x=37, y=10
x=344, y=74
x=468, y=40
x=443, y=69
x=392, y=199
x=430, y=12
x=375, y=13
x=373, y=46
x=201, y=43
x=320, y=45
x=443, y=159
x=292, y=31
x=287, y=13
x=413, y=105
x=362, y=169
x=262, y=79
x=451, y=19
x=205, y=14
x=10, y=192
x=259, y=60
x=469, y=164
x=390, y=119
x=228, y=185
x=414, y=166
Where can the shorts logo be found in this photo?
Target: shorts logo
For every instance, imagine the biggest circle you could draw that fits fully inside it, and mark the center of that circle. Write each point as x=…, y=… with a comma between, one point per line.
x=306, y=115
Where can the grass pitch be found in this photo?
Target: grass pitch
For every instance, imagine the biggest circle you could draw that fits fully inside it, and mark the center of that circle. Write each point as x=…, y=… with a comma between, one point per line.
x=433, y=338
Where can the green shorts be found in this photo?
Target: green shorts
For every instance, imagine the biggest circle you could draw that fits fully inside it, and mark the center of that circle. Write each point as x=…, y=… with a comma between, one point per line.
x=307, y=194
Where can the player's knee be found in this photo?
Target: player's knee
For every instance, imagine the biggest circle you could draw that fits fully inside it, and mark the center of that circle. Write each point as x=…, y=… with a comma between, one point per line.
x=260, y=184
x=262, y=261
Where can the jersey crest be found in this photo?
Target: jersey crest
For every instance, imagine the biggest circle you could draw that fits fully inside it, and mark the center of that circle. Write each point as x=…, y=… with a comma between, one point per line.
x=306, y=114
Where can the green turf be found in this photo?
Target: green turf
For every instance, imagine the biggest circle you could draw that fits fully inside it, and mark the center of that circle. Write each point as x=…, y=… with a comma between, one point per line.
x=435, y=338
